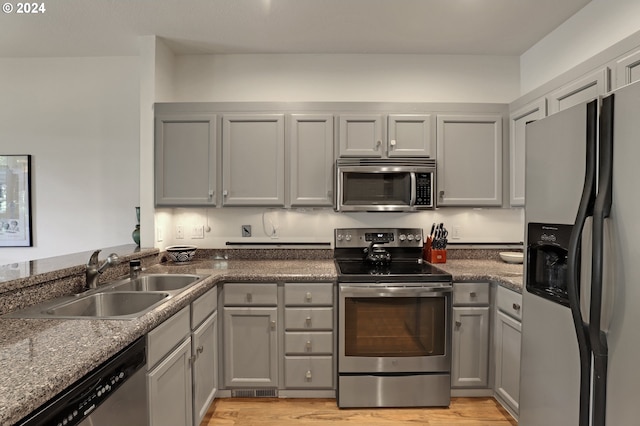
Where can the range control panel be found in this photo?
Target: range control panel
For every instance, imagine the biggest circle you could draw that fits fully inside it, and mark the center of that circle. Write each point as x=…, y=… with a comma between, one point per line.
x=387, y=237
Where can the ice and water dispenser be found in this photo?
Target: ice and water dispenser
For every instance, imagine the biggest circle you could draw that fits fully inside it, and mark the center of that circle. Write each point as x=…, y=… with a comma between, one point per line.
x=547, y=250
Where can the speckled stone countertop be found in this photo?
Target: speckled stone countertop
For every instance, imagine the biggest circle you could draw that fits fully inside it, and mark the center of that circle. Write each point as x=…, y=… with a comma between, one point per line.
x=41, y=357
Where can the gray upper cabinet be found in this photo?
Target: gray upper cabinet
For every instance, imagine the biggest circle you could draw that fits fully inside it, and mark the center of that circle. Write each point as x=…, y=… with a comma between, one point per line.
x=583, y=89
x=469, y=160
x=628, y=69
x=361, y=135
x=518, y=120
x=253, y=153
x=185, y=159
x=411, y=135
x=311, y=160
x=408, y=135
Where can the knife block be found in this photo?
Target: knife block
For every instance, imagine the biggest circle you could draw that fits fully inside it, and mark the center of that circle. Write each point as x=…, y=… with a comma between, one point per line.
x=433, y=256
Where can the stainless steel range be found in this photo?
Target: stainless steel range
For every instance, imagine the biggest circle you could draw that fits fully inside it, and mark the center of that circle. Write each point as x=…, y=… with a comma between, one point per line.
x=394, y=321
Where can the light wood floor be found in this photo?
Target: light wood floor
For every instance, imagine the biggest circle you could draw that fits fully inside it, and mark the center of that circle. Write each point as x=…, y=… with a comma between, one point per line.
x=294, y=411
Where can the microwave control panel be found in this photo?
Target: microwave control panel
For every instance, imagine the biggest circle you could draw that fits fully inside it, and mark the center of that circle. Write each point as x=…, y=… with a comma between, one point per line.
x=423, y=189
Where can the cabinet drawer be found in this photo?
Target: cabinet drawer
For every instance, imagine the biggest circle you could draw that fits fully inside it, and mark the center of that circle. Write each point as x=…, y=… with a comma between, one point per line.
x=308, y=372
x=203, y=306
x=315, y=342
x=162, y=339
x=251, y=294
x=470, y=294
x=308, y=318
x=510, y=302
x=308, y=294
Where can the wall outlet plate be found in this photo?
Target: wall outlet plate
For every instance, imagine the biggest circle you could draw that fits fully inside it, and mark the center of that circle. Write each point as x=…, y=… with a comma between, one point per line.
x=179, y=232
x=246, y=230
x=197, y=231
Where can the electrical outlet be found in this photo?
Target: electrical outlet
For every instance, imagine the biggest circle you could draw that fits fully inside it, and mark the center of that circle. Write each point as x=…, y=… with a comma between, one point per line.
x=246, y=230
x=197, y=231
x=179, y=232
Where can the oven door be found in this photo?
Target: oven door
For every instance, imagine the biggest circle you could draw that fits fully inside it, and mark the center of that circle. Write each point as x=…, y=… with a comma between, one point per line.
x=395, y=328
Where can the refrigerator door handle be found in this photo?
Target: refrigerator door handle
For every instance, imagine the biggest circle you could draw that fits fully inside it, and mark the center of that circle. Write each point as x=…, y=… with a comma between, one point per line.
x=602, y=208
x=585, y=210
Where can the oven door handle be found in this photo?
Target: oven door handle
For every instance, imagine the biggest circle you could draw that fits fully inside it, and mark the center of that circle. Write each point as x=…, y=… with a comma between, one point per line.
x=356, y=291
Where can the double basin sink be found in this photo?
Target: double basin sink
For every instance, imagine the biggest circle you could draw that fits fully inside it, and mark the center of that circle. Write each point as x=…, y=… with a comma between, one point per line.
x=123, y=299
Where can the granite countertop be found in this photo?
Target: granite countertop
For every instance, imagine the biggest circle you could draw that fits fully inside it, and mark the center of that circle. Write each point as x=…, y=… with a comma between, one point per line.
x=41, y=357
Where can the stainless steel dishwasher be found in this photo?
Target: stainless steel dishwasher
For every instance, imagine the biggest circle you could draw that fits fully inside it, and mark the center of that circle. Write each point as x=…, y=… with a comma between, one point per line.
x=112, y=394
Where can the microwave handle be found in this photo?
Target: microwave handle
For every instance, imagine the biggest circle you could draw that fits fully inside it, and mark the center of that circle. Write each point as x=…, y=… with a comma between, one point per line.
x=414, y=189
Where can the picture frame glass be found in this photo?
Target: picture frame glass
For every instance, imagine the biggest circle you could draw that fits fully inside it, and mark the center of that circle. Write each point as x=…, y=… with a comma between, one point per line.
x=15, y=201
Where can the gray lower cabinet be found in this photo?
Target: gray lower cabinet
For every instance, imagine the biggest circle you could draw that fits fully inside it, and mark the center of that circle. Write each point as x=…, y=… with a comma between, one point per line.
x=253, y=156
x=185, y=159
x=308, y=336
x=310, y=163
x=169, y=380
x=250, y=335
x=469, y=160
x=204, y=339
x=470, y=345
x=507, y=348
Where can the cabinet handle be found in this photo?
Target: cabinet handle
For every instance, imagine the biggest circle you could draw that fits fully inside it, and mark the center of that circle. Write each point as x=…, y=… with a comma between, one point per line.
x=308, y=346
x=458, y=324
x=516, y=306
x=192, y=359
x=225, y=193
x=441, y=195
x=273, y=325
x=473, y=294
x=392, y=144
x=200, y=349
x=211, y=193
x=308, y=375
x=378, y=144
x=249, y=297
x=308, y=321
x=308, y=297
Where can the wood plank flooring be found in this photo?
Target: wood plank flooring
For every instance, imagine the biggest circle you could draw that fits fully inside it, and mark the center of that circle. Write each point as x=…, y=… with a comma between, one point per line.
x=295, y=411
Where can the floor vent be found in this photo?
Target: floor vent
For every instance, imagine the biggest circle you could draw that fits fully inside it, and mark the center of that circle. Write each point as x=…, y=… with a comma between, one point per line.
x=254, y=393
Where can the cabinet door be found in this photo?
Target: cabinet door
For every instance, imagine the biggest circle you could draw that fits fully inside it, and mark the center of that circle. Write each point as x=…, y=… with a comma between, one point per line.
x=250, y=347
x=311, y=160
x=205, y=367
x=628, y=70
x=411, y=135
x=534, y=111
x=469, y=368
x=507, y=376
x=169, y=385
x=185, y=159
x=469, y=160
x=253, y=153
x=361, y=135
x=584, y=89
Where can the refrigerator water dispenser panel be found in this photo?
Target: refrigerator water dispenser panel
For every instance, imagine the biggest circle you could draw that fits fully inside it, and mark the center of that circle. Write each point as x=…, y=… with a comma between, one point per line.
x=547, y=261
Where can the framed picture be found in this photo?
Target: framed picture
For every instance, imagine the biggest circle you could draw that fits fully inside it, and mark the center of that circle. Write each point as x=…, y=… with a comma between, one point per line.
x=15, y=201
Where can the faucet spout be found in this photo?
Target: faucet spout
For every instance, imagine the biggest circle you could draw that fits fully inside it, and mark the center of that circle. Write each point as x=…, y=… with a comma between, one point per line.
x=93, y=271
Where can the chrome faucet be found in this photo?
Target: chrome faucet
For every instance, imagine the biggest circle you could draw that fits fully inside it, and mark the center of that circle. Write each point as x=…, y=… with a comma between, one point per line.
x=93, y=271
x=135, y=267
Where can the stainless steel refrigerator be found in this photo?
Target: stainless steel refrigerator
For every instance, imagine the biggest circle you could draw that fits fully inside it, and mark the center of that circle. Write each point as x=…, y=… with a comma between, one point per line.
x=580, y=359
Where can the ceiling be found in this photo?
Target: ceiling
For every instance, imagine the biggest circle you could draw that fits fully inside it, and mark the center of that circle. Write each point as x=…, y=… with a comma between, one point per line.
x=112, y=27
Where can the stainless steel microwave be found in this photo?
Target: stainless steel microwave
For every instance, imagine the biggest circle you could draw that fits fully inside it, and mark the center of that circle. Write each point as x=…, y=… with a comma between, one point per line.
x=376, y=185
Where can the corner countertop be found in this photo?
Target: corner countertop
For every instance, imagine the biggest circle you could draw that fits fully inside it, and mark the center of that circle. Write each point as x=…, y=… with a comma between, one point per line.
x=41, y=357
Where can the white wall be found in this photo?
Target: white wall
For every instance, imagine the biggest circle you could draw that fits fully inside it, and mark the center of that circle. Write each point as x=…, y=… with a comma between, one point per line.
x=78, y=118
x=599, y=25
x=393, y=78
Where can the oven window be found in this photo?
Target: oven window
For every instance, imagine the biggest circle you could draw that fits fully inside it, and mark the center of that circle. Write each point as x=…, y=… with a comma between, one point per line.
x=376, y=188
x=398, y=326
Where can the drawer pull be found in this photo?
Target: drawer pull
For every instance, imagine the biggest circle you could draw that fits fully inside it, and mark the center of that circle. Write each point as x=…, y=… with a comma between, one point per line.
x=249, y=297
x=473, y=294
x=308, y=375
x=516, y=306
x=308, y=321
x=458, y=324
x=273, y=325
x=308, y=345
x=308, y=297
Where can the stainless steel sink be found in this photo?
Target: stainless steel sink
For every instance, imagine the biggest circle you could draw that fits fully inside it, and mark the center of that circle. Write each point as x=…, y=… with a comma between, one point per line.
x=156, y=282
x=108, y=305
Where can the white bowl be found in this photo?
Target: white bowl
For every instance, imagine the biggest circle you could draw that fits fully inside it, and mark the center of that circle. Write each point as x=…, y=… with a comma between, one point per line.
x=181, y=254
x=512, y=256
